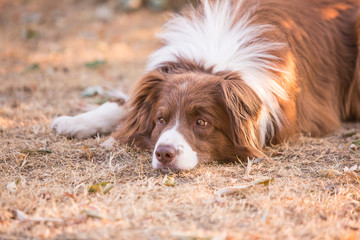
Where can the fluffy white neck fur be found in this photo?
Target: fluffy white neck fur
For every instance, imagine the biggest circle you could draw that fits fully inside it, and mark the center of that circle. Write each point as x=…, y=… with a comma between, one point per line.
x=213, y=38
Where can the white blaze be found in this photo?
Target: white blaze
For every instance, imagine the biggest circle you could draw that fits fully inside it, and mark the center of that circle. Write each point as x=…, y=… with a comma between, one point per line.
x=185, y=158
x=218, y=38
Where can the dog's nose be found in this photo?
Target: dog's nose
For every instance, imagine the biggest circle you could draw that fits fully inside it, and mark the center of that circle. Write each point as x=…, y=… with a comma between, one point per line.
x=165, y=153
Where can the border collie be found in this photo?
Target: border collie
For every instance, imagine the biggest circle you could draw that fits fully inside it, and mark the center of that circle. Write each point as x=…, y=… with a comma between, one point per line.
x=233, y=76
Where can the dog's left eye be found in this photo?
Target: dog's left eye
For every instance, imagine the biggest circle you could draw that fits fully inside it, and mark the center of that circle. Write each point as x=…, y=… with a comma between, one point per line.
x=201, y=122
x=161, y=121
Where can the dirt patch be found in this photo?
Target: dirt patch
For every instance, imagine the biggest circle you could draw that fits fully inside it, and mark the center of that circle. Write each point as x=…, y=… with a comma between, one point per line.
x=45, y=179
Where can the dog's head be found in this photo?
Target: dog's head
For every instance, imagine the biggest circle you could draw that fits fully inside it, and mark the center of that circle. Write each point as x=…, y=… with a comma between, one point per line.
x=189, y=115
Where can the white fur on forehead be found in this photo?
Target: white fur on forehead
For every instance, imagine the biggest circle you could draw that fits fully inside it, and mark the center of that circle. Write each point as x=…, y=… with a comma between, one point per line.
x=216, y=40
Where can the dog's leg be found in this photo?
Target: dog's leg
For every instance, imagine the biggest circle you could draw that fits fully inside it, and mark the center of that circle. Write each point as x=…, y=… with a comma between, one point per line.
x=353, y=98
x=100, y=120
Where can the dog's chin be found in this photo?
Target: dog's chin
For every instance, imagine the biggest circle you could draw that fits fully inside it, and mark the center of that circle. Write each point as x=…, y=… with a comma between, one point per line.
x=172, y=166
x=165, y=166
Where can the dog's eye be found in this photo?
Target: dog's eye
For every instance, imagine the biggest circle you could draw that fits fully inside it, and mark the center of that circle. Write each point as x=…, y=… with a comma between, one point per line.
x=201, y=123
x=165, y=69
x=161, y=121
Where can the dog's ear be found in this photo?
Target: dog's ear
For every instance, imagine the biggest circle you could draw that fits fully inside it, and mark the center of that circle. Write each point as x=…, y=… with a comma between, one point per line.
x=137, y=125
x=244, y=108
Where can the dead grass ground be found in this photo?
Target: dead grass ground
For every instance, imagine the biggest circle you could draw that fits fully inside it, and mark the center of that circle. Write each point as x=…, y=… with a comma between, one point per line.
x=47, y=177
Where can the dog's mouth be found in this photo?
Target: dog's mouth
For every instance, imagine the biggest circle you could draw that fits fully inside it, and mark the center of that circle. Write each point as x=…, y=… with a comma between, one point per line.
x=174, y=165
x=167, y=170
x=170, y=166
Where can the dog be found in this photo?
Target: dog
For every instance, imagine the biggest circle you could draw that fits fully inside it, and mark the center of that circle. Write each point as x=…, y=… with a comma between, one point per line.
x=234, y=76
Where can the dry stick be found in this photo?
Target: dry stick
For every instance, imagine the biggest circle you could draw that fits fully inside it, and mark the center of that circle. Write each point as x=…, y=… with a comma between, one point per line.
x=22, y=217
x=237, y=189
x=248, y=168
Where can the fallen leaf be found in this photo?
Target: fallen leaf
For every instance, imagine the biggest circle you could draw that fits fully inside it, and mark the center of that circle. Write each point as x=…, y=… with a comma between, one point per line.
x=158, y=5
x=169, y=181
x=353, y=147
x=103, y=187
x=88, y=152
x=101, y=101
x=29, y=68
x=107, y=188
x=354, y=168
x=95, y=64
x=356, y=142
x=351, y=173
x=237, y=189
x=130, y=5
x=92, y=91
x=31, y=152
x=349, y=133
x=21, y=158
x=44, y=151
x=21, y=216
x=94, y=188
x=232, y=190
x=92, y=214
x=329, y=173
x=265, y=180
x=31, y=33
x=70, y=195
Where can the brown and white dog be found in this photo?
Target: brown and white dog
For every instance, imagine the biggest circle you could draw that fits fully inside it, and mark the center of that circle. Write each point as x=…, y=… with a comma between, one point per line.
x=234, y=76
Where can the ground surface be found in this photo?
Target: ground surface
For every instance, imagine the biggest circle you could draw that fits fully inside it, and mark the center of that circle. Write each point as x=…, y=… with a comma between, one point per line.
x=46, y=180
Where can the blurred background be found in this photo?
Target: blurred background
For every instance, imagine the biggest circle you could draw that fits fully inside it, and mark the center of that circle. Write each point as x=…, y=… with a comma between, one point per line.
x=52, y=51
x=155, y=5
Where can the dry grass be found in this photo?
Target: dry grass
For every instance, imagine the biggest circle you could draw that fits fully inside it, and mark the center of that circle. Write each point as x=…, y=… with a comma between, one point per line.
x=47, y=177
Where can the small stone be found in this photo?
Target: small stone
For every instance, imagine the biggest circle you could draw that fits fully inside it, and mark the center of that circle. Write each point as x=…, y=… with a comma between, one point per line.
x=353, y=147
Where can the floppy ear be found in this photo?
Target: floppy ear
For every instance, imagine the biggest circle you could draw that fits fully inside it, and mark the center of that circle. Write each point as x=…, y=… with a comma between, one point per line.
x=243, y=107
x=137, y=124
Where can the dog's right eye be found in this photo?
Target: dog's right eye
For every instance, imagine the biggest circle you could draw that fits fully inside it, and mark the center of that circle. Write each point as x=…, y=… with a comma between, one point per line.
x=161, y=121
x=165, y=69
x=201, y=123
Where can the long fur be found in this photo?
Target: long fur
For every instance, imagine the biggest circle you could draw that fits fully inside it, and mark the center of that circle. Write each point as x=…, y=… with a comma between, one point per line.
x=298, y=57
x=260, y=72
x=217, y=37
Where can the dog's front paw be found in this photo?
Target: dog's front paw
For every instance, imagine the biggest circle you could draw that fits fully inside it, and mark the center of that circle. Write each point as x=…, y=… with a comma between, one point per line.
x=73, y=127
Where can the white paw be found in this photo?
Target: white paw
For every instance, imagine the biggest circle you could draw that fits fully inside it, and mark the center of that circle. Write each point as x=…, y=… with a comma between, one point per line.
x=100, y=120
x=73, y=127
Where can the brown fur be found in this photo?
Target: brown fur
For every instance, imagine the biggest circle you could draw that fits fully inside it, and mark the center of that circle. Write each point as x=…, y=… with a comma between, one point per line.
x=206, y=95
x=352, y=98
x=321, y=74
